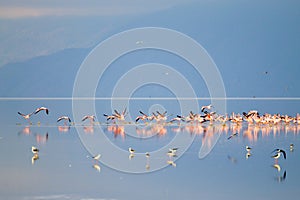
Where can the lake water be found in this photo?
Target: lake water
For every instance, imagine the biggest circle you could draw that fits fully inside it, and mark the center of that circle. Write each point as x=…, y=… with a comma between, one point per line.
x=65, y=170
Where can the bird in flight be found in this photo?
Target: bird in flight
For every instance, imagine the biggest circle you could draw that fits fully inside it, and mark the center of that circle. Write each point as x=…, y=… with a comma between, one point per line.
x=208, y=107
x=90, y=117
x=40, y=109
x=65, y=118
x=120, y=116
x=26, y=116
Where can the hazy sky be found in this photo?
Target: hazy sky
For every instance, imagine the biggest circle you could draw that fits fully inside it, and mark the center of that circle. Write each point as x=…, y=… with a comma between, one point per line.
x=33, y=8
x=33, y=28
x=254, y=44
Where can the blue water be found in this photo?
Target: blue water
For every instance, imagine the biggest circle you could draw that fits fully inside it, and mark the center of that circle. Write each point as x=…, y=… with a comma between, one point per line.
x=65, y=167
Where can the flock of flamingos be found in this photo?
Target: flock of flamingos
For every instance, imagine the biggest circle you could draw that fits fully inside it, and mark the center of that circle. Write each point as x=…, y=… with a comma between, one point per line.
x=206, y=115
x=193, y=122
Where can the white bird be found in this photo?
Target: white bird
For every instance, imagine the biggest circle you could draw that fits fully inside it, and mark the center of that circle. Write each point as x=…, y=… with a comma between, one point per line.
x=34, y=150
x=131, y=150
x=208, y=107
x=248, y=149
x=97, y=157
x=147, y=155
x=26, y=116
x=40, y=109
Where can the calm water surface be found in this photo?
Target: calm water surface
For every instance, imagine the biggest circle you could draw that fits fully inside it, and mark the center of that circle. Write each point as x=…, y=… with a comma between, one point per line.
x=65, y=169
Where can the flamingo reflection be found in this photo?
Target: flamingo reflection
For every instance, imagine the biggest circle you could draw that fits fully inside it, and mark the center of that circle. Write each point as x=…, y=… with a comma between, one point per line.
x=63, y=129
x=89, y=129
x=26, y=131
x=117, y=130
x=153, y=129
x=41, y=139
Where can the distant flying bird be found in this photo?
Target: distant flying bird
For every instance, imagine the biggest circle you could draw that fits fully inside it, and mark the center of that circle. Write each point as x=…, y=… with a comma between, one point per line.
x=90, y=117
x=34, y=150
x=65, y=118
x=40, y=109
x=208, y=107
x=26, y=116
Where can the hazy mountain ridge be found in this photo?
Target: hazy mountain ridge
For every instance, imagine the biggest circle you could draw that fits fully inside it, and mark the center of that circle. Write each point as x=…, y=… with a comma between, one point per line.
x=43, y=76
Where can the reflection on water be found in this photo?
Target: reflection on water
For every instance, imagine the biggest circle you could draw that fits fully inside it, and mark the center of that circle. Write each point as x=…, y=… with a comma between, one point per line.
x=26, y=131
x=281, y=178
x=34, y=158
x=89, y=129
x=64, y=129
x=247, y=154
x=41, y=139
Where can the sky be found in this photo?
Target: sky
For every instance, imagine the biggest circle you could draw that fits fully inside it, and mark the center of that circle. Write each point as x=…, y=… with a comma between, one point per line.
x=255, y=45
x=33, y=28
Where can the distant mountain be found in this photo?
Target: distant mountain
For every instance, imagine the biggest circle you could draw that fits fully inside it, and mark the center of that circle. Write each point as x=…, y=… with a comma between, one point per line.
x=44, y=76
